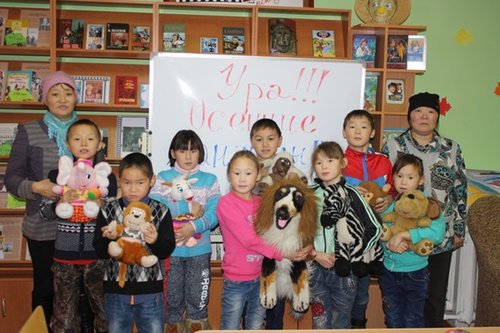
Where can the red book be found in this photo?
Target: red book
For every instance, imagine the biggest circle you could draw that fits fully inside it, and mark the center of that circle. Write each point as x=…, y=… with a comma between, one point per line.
x=126, y=90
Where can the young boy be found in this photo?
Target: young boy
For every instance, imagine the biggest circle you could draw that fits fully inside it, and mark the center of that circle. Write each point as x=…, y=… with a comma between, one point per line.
x=141, y=298
x=364, y=164
x=265, y=137
x=75, y=260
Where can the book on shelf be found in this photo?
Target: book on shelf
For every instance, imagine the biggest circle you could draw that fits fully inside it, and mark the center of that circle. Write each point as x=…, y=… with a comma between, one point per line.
x=174, y=37
x=18, y=86
x=92, y=89
x=323, y=43
x=209, y=45
x=32, y=38
x=105, y=140
x=126, y=89
x=95, y=37
x=417, y=52
x=8, y=132
x=141, y=38
x=16, y=32
x=39, y=25
x=397, y=51
x=4, y=67
x=15, y=202
x=130, y=134
x=395, y=91
x=117, y=36
x=391, y=133
x=282, y=37
x=70, y=33
x=4, y=15
x=144, y=96
x=11, y=237
x=364, y=48
x=371, y=84
x=39, y=72
x=233, y=39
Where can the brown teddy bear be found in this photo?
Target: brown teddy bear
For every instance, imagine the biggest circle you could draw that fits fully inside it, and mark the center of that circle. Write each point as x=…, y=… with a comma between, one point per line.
x=411, y=210
x=374, y=192
x=130, y=247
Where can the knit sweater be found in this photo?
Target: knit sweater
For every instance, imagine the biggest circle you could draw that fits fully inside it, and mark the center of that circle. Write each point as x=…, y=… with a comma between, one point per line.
x=207, y=193
x=445, y=179
x=33, y=155
x=139, y=280
x=244, y=249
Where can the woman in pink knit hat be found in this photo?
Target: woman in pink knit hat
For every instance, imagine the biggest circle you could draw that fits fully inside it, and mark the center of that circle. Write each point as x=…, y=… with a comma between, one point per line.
x=35, y=151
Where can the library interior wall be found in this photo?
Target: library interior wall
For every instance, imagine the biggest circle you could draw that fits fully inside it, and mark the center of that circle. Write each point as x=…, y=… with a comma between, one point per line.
x=466, y=74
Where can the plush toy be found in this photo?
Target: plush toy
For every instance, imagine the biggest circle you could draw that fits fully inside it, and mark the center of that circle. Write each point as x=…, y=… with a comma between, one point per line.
x=375, y=256
x=90, y=182
x=411, y=210
x=179, y=189
x=286, y=219
x=130, y=247
x=382, y=11
x=374, y=193
x=339, y=211
x=281, y=167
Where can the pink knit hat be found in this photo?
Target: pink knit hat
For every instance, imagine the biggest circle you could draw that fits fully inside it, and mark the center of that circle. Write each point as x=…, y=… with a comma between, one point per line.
x=53, y=79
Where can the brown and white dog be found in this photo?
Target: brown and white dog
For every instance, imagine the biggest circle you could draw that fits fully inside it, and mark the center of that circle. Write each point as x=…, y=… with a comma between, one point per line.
x=287, y=220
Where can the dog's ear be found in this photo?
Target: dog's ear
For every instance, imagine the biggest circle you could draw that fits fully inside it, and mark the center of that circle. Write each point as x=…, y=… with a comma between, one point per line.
x=434, y=210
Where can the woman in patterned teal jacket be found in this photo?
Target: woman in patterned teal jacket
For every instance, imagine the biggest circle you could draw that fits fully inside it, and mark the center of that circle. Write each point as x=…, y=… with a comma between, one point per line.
x=445, y=180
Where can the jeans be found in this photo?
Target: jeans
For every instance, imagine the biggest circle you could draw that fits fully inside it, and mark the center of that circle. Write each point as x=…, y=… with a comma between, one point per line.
x=188, y=288
x=274, y=316
x=239, y=295
x=146, y=312
x=331, y=298
x=358, y=312
x=403, y=297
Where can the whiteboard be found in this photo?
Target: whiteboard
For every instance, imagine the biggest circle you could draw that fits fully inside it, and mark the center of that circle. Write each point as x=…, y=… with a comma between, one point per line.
x=221, y=96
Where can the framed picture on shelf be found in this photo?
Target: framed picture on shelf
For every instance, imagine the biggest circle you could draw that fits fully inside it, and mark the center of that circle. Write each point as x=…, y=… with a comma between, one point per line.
x=130, y=135
x=395, y=91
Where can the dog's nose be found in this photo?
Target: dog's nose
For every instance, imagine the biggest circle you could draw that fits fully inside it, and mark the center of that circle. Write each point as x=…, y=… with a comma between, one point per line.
x=282, y=213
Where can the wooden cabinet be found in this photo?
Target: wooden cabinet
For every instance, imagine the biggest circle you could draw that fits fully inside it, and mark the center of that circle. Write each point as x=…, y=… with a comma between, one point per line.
x=15, y=295
x=389, y=115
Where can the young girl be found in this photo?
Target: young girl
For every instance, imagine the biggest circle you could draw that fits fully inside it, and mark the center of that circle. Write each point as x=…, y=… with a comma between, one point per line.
x=405, y=279
x=332, y=293
x=75, y=258
x=188, y=278
x=244, y=249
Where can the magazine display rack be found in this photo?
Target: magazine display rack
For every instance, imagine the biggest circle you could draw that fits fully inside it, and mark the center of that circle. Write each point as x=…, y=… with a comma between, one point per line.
x=390, y=113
